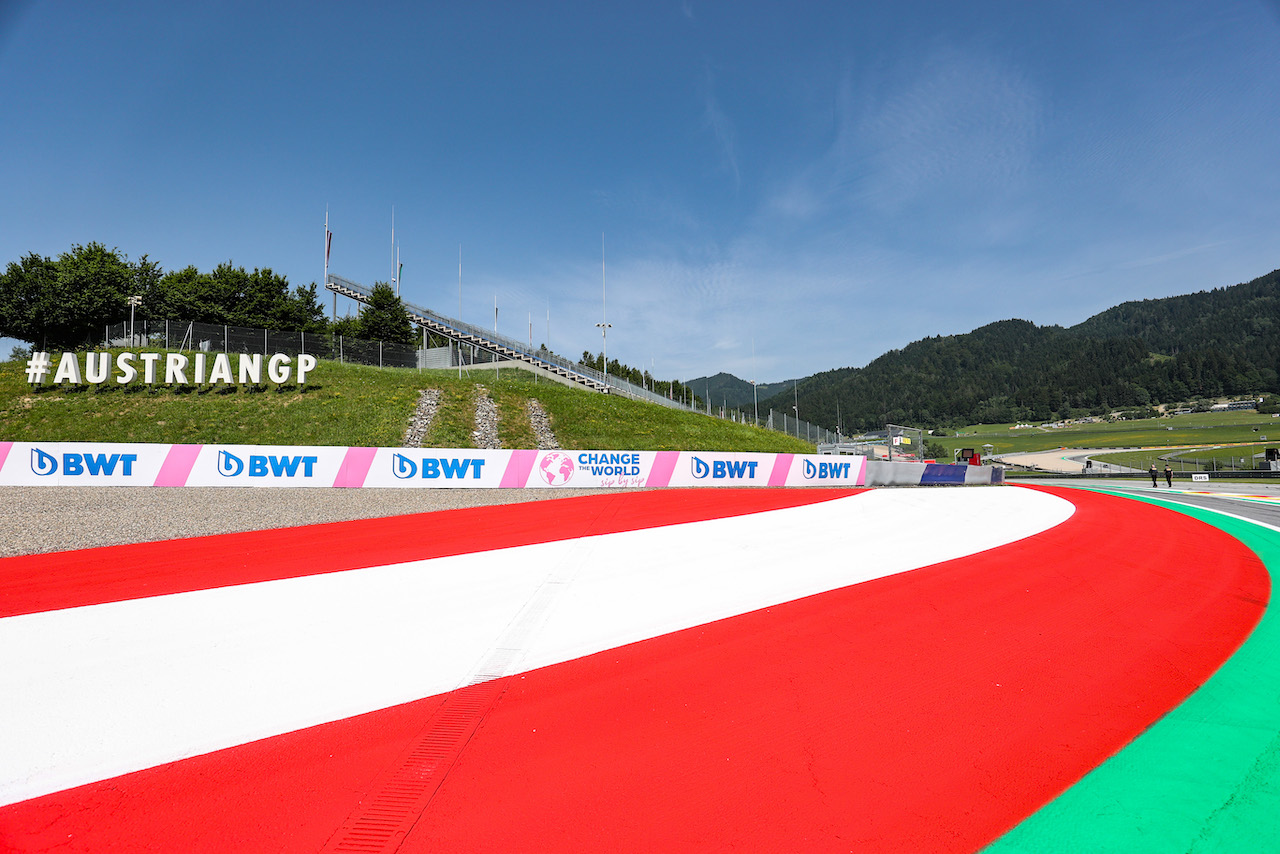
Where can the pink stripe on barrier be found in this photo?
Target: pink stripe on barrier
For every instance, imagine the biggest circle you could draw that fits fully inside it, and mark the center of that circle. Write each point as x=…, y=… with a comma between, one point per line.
x=355, y=467
x=781, y=467
x=518, y=468
x=4, y=452
x=177, y=465
x=664, y=464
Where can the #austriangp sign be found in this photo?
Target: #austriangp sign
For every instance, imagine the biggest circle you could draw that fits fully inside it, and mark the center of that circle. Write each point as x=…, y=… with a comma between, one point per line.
x=168, y=368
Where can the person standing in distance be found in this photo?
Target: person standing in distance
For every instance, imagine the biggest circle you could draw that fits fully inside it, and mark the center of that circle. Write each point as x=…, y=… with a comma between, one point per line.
x=1168, y=475
x=1154, y=475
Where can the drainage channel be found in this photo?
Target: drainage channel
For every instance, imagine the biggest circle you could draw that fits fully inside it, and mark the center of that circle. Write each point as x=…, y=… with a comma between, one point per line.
x=403, y=792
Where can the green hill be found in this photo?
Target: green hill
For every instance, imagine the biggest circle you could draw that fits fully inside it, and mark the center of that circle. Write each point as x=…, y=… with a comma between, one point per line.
x=727, y=390
x=1224, y=342
x=361, y=406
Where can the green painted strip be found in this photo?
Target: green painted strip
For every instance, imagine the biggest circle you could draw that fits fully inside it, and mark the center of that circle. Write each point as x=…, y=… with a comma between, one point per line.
x=1206, y=776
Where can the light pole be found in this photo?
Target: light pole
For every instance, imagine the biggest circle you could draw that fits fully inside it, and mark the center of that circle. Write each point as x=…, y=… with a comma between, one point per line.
x=795, y=387
x=134, y=302
x=755, y=395
x=604, y=314
x=604, y=334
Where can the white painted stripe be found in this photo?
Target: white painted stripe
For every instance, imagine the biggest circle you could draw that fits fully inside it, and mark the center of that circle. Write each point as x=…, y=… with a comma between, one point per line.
x=103, y=690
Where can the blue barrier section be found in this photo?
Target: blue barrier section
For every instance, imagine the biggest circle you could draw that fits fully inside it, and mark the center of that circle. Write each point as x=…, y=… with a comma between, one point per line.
x=939, y=473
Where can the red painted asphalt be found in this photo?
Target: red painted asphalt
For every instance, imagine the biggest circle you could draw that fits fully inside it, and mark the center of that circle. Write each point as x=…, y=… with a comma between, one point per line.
x=46, y=582
x=929, y=710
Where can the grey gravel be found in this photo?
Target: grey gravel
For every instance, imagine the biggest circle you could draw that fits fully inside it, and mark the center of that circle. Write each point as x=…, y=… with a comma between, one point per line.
x=541, y=424
x=41, y=519
x=486, y=433
x=423, y=414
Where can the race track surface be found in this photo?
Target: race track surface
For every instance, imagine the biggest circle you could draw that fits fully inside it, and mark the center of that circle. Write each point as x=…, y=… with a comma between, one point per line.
x=680, y=670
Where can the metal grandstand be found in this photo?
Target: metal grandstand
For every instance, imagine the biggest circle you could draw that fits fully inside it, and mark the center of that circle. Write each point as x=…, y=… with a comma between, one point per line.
x=466, y=333
x=507, y=348
x=501, y=347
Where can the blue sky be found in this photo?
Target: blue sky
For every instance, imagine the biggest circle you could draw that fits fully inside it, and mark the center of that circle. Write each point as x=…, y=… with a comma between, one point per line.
x=814, y=183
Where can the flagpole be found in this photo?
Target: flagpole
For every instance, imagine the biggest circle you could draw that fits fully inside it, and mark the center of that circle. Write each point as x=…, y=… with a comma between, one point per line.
x=328, y=237
x=459, y=309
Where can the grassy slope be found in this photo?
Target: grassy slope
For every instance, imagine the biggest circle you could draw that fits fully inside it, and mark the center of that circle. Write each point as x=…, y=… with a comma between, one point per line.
x=360, y=406
x=357, y=405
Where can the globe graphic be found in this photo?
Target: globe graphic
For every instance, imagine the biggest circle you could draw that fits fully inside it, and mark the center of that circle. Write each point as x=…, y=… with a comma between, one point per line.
x=556, y=469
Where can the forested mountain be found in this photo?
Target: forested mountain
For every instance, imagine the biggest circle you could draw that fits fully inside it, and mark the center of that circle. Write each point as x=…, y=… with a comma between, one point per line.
x=727, y=390
x=1220, y=342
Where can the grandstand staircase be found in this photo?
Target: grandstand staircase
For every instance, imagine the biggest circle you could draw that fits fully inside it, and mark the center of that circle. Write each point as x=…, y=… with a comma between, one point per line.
x=465, y=333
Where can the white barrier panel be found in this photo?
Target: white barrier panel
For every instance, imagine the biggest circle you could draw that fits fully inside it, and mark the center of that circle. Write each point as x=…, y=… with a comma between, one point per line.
x=121, y=464
x=75, y=463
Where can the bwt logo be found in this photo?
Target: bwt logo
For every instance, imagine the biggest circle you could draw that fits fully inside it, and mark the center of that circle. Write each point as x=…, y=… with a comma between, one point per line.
x=261, y=465
x=433, y=467
x=74, y=465
x=724, y=469
x=825, y=471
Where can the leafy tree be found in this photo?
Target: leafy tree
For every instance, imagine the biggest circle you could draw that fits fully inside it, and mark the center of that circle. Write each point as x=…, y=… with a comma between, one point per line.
x=234, y=296
x=348, y=327
x=304, y=311
x=383, y=318
x=63, y=304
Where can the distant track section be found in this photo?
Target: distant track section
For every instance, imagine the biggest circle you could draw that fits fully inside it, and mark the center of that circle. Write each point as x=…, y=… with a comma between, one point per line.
x=465, y=333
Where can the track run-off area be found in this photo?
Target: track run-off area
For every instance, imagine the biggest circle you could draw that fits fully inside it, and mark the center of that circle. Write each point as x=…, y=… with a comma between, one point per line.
x=1015, y=668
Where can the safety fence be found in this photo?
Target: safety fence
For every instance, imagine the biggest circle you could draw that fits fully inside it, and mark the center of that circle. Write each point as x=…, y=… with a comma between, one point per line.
x=212, y=337
x=892, y=444
x=215, y=337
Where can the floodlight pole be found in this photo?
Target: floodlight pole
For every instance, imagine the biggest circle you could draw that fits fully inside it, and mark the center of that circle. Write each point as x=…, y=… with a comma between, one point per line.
x=134, y=302
x=459, y=309
x=604, y=314
x=795, y=387
x=755, y=395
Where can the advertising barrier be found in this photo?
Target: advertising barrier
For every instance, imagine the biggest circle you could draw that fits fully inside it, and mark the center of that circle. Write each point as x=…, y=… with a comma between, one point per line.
x=121, y=464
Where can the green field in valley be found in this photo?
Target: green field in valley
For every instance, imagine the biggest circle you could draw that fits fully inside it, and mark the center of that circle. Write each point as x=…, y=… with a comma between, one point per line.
x=1201, y=429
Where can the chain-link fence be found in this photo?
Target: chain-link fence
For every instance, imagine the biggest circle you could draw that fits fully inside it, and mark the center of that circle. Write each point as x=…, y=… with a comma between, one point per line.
x=212, y=337
x=894, y=443
x=1206, y=460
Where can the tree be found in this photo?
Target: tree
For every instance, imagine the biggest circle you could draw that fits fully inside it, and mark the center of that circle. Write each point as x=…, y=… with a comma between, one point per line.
x=304, y=312
x=64, y=304
x=234, y=296
x=348, y=327
x=384, y=318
